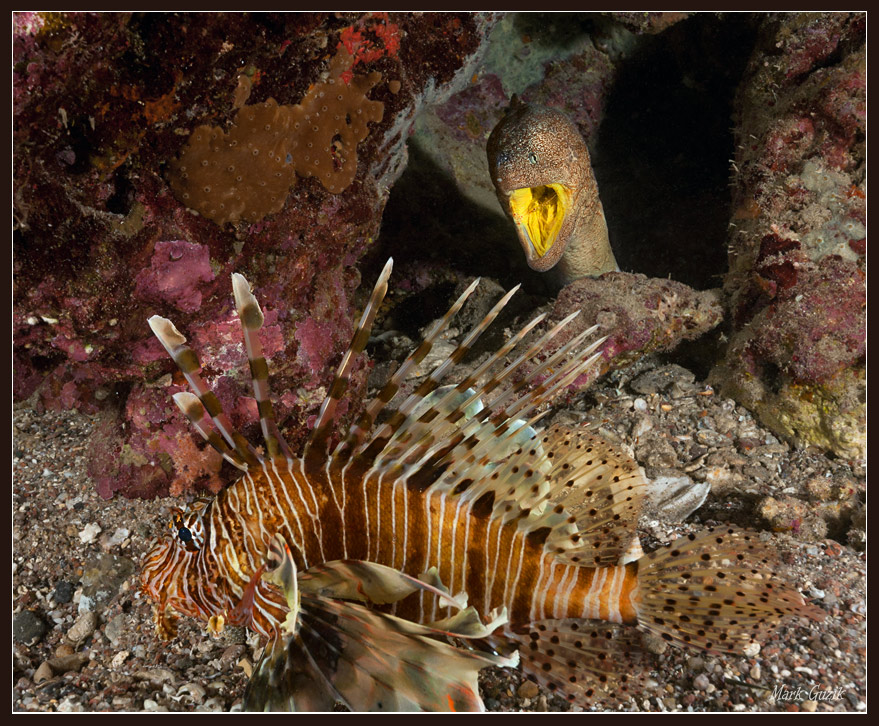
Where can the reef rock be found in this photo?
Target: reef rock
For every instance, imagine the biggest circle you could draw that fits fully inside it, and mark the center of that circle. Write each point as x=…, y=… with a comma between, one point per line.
x=797, y=248
x=114, y=224
x=640, y=315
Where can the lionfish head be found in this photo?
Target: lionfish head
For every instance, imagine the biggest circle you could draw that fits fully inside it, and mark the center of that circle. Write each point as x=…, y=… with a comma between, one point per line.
x=171, y=575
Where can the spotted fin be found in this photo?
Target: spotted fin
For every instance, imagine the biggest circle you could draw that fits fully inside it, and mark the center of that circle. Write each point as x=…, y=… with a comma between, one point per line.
x=714, y=591
x=590, y=662
x=367, y=660
x=602, y=489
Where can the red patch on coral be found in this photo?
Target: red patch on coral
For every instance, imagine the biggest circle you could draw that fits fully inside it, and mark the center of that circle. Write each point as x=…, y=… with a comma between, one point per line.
x=773, y=244
x=362, y=48
x=783, y=275
x=858, y=245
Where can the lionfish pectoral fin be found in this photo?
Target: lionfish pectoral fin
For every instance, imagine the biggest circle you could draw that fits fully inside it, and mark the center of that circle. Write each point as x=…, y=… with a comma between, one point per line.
x=379, y=662
x=467, y=623
x=715, y=591
x=165, y=621
x=286, y=678
x=590, y=662
x=371, y=582
x=368, y=660
x=284, y=576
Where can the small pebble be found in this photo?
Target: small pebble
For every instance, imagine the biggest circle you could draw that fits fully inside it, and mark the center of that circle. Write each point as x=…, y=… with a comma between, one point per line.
x=751, y=649
x=150, y=705
x=809, y=705
x=701, y=682
x=89, y=533
x=829, y=640
x=28, y=627
x=82, y=629
x=63, y=592
x=755, y=672
x=653, y=643
x=66, y=663
x=246, y=666
x=86, y=604
x=213, y=704
x=154, y=675
x=43, y=673
x=63, y=649
x=528, y=689
x=116, y=628
x=195, y=691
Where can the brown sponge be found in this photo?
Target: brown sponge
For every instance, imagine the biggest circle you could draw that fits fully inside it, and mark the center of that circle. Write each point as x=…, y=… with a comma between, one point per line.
x=246, y=173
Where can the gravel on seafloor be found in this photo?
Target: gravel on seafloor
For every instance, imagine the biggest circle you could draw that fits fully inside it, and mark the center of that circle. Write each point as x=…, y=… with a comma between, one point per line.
x=83, y=637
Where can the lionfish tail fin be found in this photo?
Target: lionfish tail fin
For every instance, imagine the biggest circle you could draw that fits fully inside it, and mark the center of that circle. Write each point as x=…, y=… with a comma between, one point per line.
x=316, y=448
x=370, y=661
x=714, y=591
x=239, y=452
x=251, y=317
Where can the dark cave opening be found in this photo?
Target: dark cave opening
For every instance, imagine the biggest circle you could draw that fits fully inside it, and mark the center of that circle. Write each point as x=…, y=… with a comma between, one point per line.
x=663, y=152
x=661, y=158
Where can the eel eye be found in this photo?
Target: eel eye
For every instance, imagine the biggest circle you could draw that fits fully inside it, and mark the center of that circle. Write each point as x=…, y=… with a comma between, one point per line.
x=532, y=158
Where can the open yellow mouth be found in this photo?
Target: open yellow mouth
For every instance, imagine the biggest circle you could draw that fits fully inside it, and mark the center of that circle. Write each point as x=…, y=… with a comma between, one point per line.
x=539, y=212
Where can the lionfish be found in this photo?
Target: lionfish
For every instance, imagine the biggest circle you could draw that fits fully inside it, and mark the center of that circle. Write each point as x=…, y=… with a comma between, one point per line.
x=450, y=535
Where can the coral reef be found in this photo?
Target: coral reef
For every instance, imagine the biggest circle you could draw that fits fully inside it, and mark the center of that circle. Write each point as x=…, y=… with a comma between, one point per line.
x=640, y=315
x=647, y=22
x=104, y=104
x=796, y=283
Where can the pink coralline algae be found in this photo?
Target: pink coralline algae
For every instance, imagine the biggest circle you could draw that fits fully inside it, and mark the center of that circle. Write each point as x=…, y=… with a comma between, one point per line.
x=104, y=103
x=314, y=342
x=176, y=270
x=796, y=284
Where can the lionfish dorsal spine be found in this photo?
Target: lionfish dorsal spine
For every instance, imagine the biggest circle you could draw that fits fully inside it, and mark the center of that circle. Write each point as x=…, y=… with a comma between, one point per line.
x=317, y=442
x=187, y=361
x=477, y=438
x=359, y=430
x=191, y=407
x=252, y=319
x=384, y=433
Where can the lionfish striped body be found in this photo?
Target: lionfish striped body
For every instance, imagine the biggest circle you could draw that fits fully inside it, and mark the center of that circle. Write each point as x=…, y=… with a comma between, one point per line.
x=454, y=499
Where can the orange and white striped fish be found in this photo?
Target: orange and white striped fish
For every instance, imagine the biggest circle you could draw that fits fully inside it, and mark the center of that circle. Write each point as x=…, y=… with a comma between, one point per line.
x=358, y=563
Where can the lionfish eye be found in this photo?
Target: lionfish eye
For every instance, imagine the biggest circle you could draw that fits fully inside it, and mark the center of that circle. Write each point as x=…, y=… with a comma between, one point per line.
x=184, y=534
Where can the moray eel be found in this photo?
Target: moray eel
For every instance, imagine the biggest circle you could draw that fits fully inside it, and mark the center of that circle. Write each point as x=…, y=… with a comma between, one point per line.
x=540, y=168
